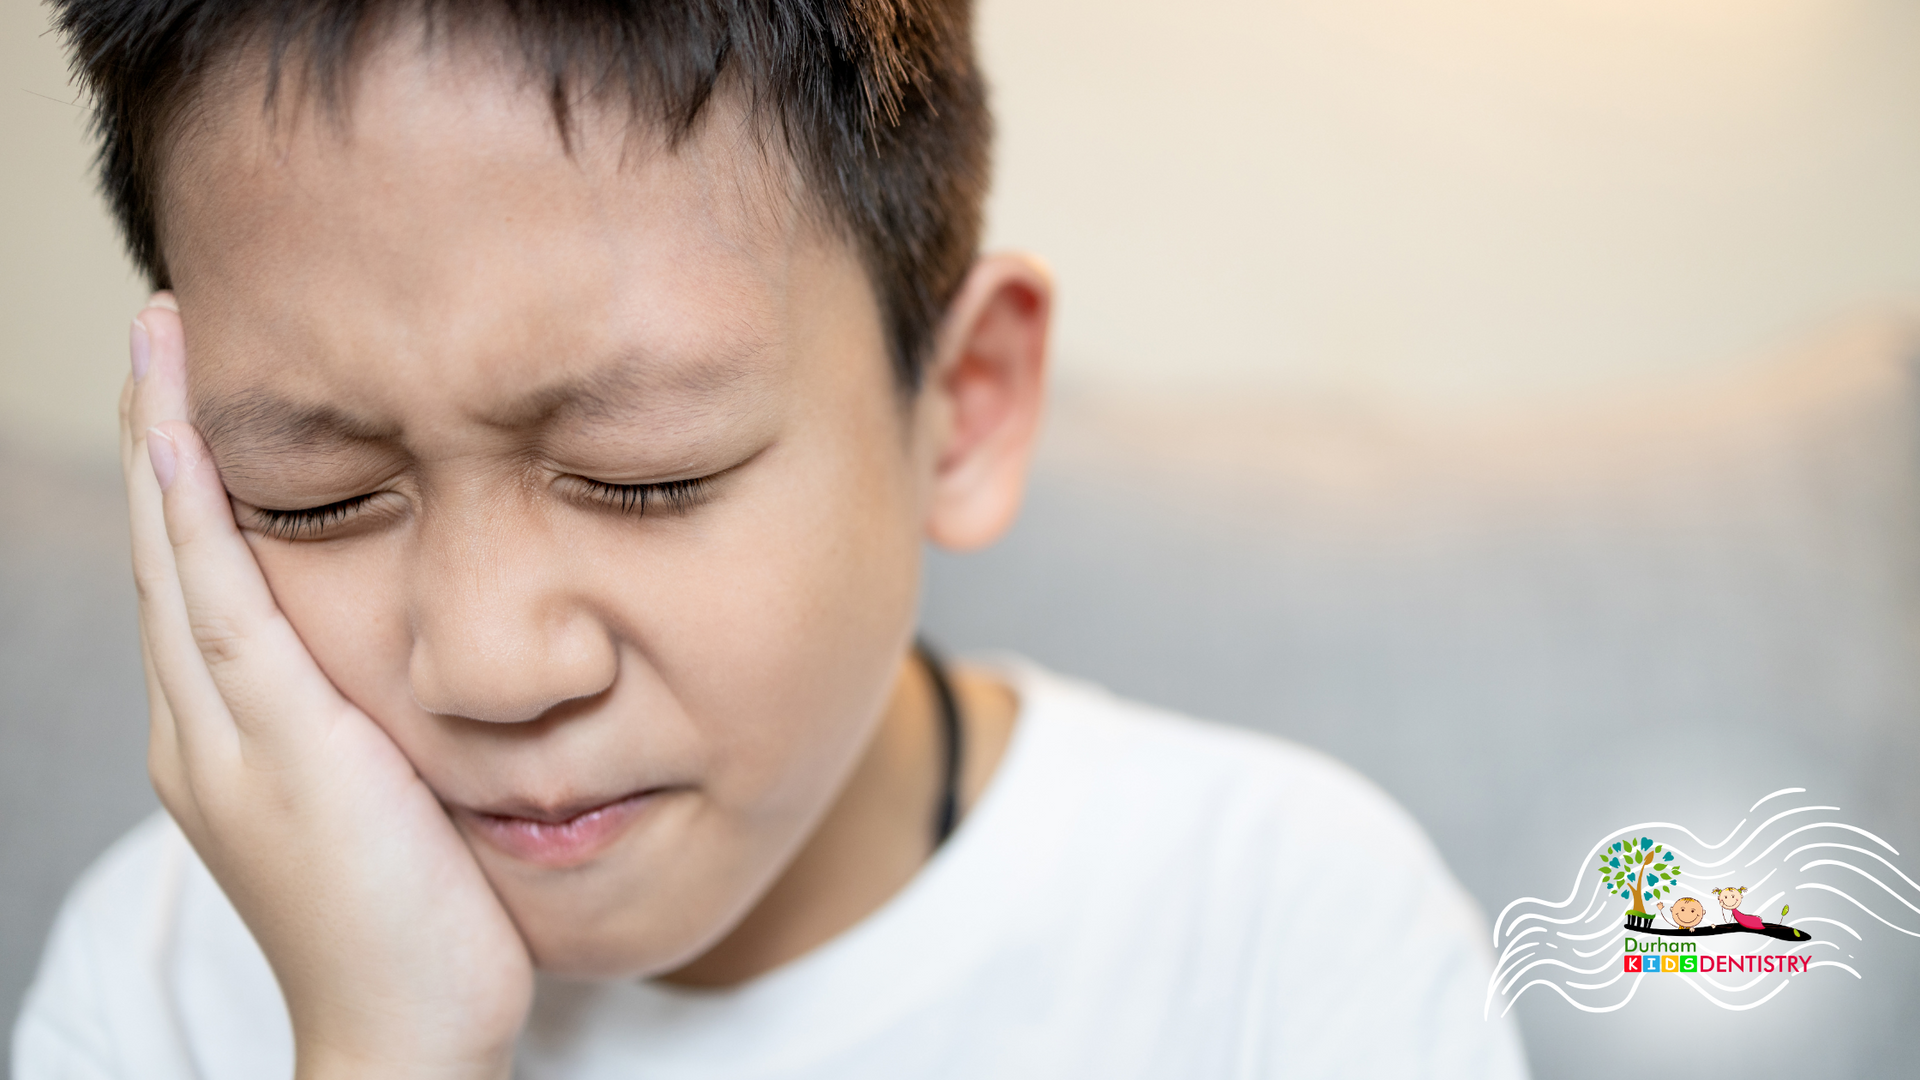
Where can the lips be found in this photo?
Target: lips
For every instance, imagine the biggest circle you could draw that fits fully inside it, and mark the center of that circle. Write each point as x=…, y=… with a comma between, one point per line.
x=565, y=838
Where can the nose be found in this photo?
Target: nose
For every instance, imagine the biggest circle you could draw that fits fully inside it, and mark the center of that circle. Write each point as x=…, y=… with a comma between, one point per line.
x=501, y=633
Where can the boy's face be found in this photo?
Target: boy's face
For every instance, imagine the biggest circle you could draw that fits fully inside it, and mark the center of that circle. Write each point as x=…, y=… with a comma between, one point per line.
x=1687, y=912
x=468, y=343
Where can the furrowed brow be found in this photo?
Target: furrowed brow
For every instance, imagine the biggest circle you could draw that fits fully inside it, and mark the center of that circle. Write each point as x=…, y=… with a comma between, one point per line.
x=616, y=392
x=264, y=424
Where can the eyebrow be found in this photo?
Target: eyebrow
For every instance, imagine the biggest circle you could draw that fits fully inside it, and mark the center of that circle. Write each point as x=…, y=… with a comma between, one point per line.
x=616, y=391
x=276, y=425
x=267, y=423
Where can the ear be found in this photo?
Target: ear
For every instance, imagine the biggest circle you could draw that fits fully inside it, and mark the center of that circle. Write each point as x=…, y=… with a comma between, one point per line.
x=983, y=397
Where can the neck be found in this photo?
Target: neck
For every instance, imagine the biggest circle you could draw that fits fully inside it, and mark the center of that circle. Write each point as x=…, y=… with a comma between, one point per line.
x=878, y=833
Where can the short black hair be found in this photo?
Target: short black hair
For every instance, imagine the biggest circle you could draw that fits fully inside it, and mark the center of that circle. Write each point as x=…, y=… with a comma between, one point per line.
x=880, y=102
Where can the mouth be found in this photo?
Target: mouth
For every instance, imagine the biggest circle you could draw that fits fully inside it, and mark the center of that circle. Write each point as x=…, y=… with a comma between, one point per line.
x=563, y=837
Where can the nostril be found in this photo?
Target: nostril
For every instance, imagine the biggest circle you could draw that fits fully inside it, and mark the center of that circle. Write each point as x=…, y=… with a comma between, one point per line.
x=499, y=676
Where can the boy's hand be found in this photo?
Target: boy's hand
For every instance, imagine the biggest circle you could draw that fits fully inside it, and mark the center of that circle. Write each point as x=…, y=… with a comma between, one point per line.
x=392, y=951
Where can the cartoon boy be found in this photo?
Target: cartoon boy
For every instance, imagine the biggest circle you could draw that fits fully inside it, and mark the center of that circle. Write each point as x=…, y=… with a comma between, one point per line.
x=1685, y=914
x=530, y=456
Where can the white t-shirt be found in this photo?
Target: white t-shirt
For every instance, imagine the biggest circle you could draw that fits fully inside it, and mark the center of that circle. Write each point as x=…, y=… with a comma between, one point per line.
x=1136, y=895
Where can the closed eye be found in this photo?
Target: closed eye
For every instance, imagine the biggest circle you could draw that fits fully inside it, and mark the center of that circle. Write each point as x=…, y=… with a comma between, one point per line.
x=307, y=523
x=674, y=496
x=314, y=522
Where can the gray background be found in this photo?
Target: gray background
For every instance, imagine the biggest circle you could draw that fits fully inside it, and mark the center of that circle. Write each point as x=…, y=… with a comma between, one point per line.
x=1469, y=616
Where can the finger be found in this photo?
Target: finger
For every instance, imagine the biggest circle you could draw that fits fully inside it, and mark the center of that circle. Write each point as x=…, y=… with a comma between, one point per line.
x=153, y=572
x=139, y=354
x=185, y=690
x=261, y=668
x=166, y=768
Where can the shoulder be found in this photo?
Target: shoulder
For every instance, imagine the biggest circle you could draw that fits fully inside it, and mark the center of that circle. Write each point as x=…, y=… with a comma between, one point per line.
x=115, y=911
x=72, y=1023
x=149, y=972
x=1276, y=870
x=1160, y=769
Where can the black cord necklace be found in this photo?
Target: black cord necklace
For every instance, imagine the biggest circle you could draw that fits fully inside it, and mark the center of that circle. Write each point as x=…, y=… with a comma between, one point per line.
x=946, y=812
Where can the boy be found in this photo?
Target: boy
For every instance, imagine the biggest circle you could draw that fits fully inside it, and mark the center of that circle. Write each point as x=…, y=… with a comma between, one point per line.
x=528, y=455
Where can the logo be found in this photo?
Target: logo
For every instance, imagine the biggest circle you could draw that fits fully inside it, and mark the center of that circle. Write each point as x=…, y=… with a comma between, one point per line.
x=1690, y=912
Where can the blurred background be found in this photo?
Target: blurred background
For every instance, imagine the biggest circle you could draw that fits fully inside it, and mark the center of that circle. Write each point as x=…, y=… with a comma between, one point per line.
x=1515, y=398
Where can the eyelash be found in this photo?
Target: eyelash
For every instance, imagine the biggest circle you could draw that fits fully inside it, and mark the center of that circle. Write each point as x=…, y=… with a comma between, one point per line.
x=293, y=524
x=678, y=495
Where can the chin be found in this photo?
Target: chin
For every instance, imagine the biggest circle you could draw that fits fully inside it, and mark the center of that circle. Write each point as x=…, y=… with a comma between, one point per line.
x=613, y=914
x=599, y=960
x=614, y=920
x=645, y=940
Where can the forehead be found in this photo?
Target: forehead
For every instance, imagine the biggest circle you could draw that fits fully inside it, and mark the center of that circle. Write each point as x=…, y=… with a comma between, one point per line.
x=436, y=232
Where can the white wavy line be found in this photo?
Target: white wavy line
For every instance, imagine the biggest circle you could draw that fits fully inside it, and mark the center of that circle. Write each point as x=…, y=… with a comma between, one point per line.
x=1834, y=963
x=1688, y=979
x=1502, y=971
x=1508, y=962
x=1748, y=839
x=1517, y=944
x=1511, y=945
x=1855, y=903
x=1617, y=976
x=1599, y=909
x=1584, y=916
x=1861, y=850
x=1864, y=874
x=1555, y=987
x=1725, y=877
x=1591, y=854
x=1589, y=937
x=1555, y=922
x=1533, y=962
x=1777, y=794
x=1811, y=944
x=1823, y=825
x=1550, y=961
x=1604, y=946
x=1836, y=922
x=1731, y=855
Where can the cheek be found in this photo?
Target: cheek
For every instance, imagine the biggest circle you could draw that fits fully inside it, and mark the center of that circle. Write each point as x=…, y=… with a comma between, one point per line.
x=345, y=602
x=777, y=619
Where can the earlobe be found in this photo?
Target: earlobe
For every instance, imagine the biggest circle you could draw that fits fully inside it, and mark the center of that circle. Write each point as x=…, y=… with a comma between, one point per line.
x=986, y=388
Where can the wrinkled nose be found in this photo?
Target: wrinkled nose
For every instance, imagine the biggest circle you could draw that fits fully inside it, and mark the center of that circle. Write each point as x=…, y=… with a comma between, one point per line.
x=500, y=631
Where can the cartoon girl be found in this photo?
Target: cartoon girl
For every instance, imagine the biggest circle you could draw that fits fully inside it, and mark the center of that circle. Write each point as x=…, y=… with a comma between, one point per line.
x=1730, y=899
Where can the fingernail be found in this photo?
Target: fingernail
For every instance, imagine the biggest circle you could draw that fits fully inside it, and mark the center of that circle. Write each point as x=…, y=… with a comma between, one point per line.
x=142, y=350
x=164, y=299
x=163, y=454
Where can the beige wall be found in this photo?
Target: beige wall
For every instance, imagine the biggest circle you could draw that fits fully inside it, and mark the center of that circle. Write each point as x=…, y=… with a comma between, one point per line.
x=1481, y=200
x=1455, y=200
x=66, y=291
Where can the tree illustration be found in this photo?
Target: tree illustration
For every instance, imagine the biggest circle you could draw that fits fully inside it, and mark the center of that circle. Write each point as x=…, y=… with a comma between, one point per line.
x=1638, y=871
